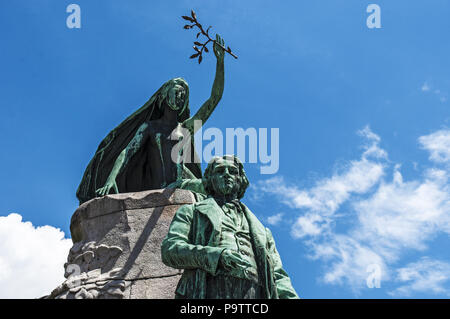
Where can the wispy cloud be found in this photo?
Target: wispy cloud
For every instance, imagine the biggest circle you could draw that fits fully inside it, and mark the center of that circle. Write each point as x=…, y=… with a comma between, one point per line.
x=275, y=219
x=403, y=215
x=426, y=276
x=438, y=144
x=427, y=88
x=385, y=215
x=325, y=198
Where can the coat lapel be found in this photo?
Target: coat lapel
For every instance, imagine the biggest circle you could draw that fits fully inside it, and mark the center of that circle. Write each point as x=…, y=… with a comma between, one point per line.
x=210, y=208
x=257, y=229
x=258, y=232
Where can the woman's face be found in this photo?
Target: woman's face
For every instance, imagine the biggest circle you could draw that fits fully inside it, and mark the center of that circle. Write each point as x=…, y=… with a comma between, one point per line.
x=176, y=97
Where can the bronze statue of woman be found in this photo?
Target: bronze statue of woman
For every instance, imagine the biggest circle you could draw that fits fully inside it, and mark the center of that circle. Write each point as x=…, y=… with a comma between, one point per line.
x=137, y=154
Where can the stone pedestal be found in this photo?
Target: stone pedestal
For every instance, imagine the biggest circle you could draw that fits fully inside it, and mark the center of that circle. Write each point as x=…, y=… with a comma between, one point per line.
x=117, y=246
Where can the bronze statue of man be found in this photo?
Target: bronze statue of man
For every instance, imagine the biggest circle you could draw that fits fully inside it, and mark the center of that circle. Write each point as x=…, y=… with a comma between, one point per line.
x=137, y=154
x=223, y=248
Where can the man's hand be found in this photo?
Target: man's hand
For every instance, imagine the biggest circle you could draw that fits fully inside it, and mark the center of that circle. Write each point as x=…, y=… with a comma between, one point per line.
x=218, y=50
x=232, y=261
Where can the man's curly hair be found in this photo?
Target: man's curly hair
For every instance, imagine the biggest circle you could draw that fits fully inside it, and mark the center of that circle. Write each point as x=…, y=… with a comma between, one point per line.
x=242, y=180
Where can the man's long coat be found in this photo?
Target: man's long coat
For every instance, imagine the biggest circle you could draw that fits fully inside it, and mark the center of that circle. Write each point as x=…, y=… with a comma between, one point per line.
x=192, y=244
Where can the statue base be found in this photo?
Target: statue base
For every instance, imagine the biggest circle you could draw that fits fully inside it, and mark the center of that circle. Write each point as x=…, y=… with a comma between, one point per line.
x=117, y=247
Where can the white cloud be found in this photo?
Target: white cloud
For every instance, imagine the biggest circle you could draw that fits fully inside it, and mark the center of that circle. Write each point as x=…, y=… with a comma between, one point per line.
x=403, y=215
x=31, y=258
x=328, y=194
x=425, y=87
x=348, y=259
x=309, y=225
x=438, y=144
x=426, y=276
x=383, y=218
x=275, y=219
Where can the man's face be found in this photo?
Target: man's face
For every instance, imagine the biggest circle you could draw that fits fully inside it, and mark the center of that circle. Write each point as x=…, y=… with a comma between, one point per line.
x=225, y=177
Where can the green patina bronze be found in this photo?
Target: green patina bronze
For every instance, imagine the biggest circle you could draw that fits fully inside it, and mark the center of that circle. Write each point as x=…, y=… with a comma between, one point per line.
x=223, y=248
x=136, y=155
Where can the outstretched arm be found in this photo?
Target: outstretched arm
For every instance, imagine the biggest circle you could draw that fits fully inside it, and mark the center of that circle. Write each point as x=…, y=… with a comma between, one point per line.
x=208, y=107
x=122, y=160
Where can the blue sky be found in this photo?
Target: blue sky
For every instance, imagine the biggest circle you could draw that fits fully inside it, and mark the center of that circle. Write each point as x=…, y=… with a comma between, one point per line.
x=361, y=112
